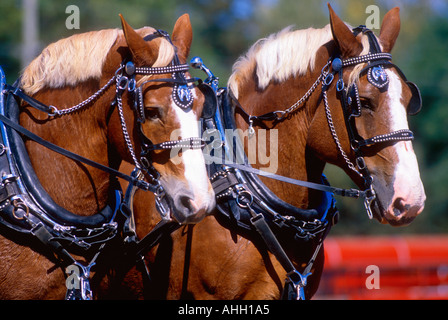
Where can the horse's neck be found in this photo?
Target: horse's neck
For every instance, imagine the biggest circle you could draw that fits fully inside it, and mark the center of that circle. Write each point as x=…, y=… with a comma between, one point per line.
x=76, y=187
x=292, y=157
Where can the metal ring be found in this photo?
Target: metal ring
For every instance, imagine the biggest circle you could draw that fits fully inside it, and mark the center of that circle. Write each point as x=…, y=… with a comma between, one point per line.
x=326, y=68
x=241, y=196
x=355, y=145
x=119, y=70
x=328, y=79
x=19, y=204
x=145, y=162
x=340, y=85
x=160, y=191
x=280, y=114
x=361, y=163
x=2, y=149
x=131, y=85
x=122, y=83
x=54, y=111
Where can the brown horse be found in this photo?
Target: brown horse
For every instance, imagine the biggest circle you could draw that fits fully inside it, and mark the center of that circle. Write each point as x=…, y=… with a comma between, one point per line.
x=106, y=68
x=212, y=260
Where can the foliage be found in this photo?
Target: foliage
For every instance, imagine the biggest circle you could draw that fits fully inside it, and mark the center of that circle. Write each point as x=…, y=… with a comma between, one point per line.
x=224, y=29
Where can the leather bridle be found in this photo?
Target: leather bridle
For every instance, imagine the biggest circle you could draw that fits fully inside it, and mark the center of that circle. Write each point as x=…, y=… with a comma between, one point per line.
x=351, y=105
x=54, y=228
x=124, y=79
x=245, y=203
x=376, y=61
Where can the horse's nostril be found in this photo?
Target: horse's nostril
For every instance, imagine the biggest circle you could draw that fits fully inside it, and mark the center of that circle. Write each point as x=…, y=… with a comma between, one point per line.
x=185, y=202
x=194, y=206
x=400, y=206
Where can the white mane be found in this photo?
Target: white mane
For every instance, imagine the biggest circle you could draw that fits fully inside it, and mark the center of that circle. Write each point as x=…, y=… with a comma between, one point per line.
x=283, y=55
x=78, y=58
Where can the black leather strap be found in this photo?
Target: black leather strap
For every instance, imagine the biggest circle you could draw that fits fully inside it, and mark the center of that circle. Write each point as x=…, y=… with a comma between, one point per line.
x=400, y=135
x=163, y=228
x=139, y=183
x=33, y=186
x=30, y=100
x=271, y=242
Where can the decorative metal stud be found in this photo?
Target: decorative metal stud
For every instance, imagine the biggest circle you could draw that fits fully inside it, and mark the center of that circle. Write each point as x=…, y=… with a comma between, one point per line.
x=378, y=77
x=337, y=64
x=130, y=68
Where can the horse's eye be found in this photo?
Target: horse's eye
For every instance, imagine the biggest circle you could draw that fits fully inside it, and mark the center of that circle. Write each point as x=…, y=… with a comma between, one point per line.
x=153, y=113
x=365, y=103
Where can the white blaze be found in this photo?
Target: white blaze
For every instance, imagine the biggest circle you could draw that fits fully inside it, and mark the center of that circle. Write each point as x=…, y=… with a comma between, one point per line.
x=192, y=159
x=407, y=182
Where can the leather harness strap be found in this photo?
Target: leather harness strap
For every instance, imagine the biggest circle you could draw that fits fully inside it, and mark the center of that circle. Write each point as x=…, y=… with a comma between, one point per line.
x=139, y=183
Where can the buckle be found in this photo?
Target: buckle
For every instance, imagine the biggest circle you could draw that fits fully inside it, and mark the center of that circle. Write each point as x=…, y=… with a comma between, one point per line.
x=299, y=282
x=77, y=283
x=369, y=196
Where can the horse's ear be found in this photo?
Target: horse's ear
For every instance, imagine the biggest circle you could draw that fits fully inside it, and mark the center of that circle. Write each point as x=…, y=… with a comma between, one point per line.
x=343, y=36
x=183, y=37
x=390, y=28
x=144, y=53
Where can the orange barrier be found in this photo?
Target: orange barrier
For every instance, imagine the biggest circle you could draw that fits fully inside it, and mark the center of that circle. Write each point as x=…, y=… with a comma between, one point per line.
x=413, y=267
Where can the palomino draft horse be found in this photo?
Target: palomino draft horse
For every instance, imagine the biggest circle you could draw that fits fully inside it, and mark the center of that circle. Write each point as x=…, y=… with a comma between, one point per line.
x=334, y=96
x=64, y=208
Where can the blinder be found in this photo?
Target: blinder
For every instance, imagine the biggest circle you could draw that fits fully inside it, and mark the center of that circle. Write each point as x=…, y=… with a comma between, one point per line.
x=211, y=101
x=139, y=106
x=353, y=101
x=34, y=213
x=376, y=74
x=182, y=96
x=415, y=104
x=378, y=77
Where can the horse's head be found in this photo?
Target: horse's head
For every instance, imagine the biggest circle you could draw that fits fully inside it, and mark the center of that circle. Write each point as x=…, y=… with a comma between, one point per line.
x=159, y=116
x=377, y=99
